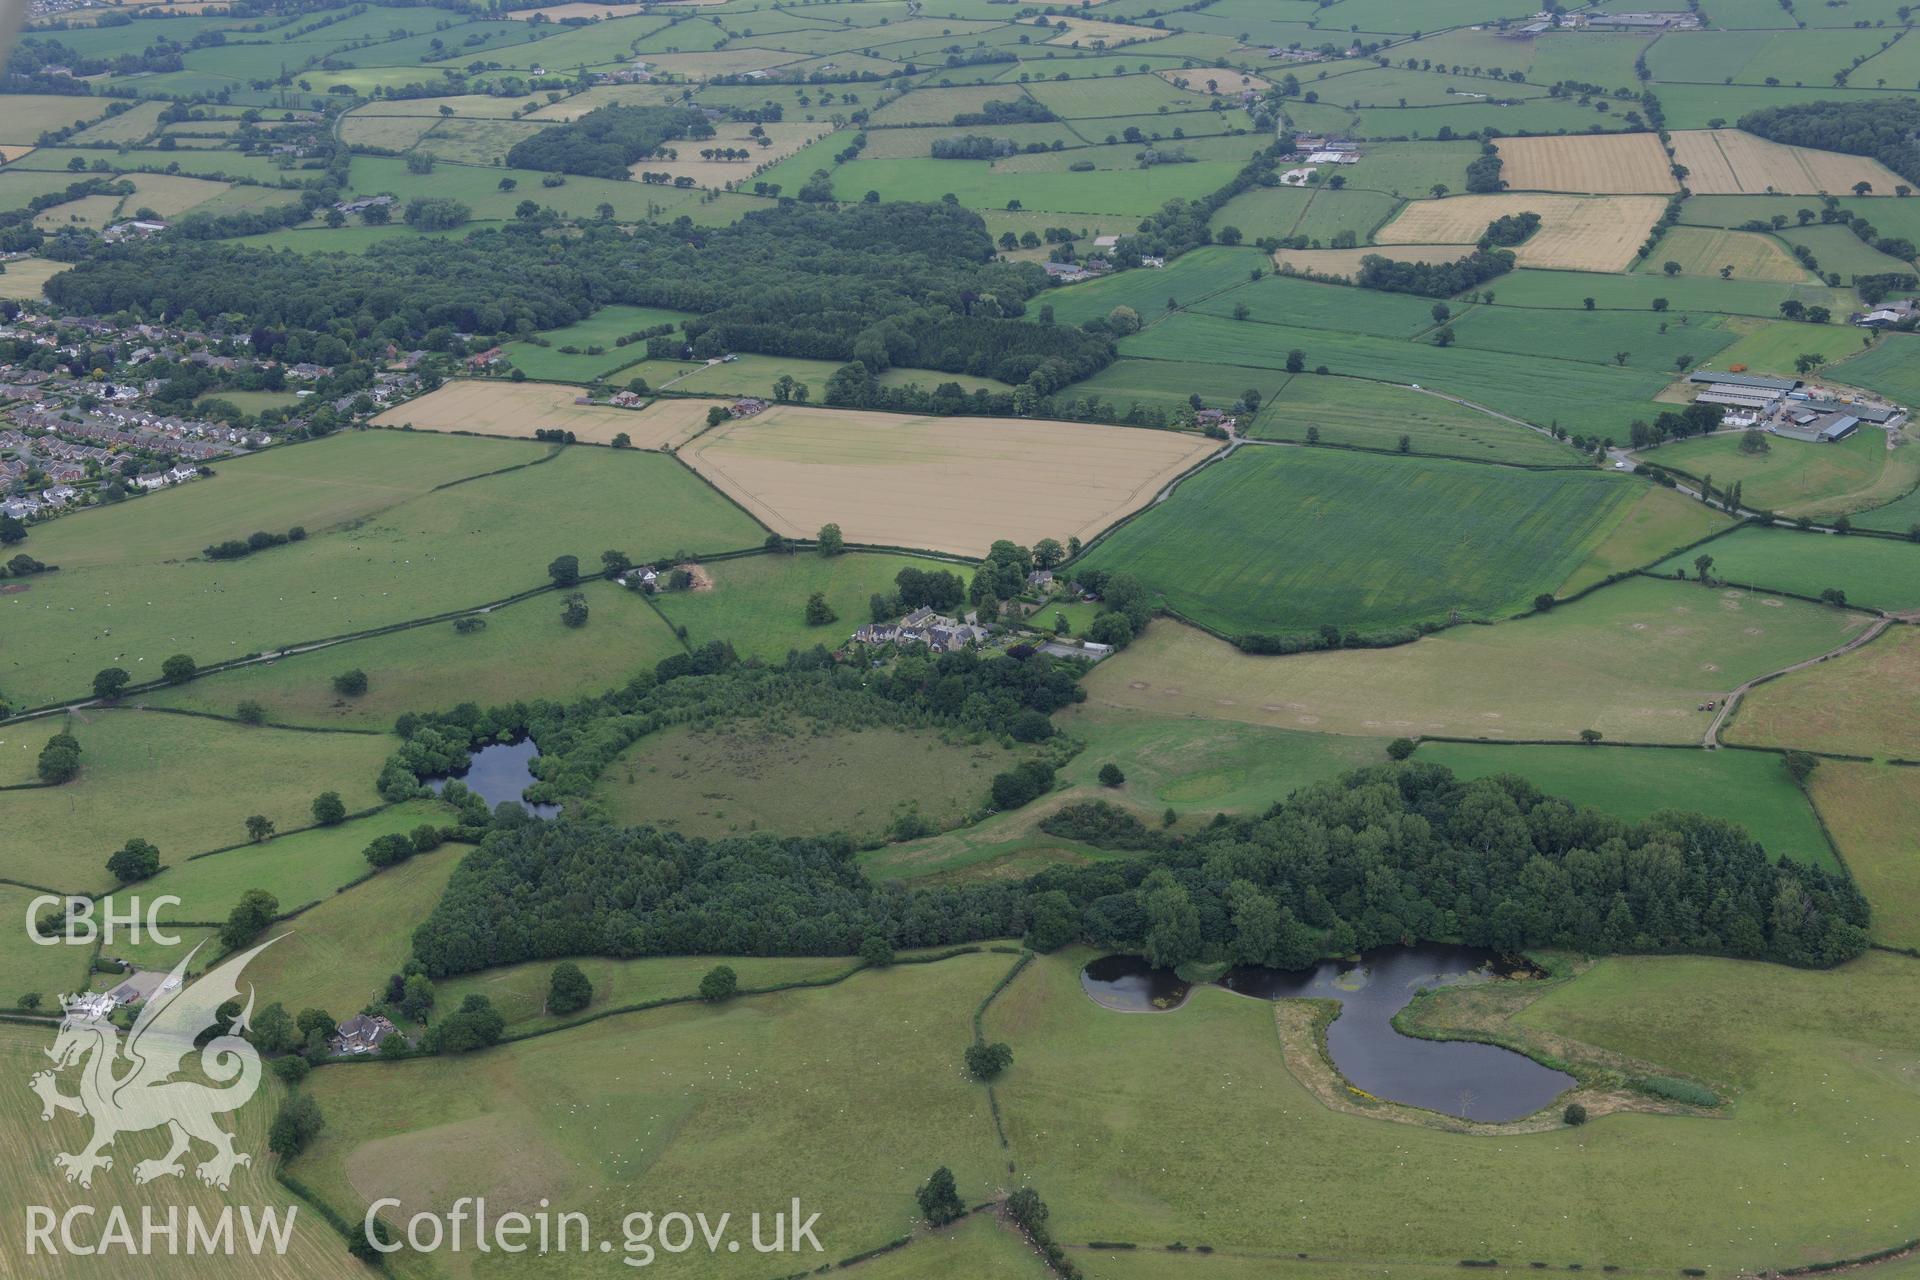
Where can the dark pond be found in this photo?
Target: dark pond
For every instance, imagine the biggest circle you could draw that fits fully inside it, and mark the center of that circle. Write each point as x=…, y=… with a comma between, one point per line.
x=499, y=772
x=1477, y=1081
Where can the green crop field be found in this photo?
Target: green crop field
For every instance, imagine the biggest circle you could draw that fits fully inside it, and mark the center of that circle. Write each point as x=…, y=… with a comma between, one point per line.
x=1122, y=194
x=1636, y=661
x=1168, y=384
x=1654, y=341
x=1764, y=1031
x=1797, y=478
x=758, y=604
x=750, y=775
x=1874, y=572
x=63, y=835
x=1661, y=522
x=603, y=329
x=1568, y=290
x=1374, y=415
x=1892, y=368
x=522, y=651
x=299, y=869
x=1775, y=346
x=1289, y=300
x=1751, y=788
x=1869, y=808
x=1188, y=280
x=1578, y=395
x=1861, y=703
x=1839, y=249
x=452, y=549
x=1286, y=540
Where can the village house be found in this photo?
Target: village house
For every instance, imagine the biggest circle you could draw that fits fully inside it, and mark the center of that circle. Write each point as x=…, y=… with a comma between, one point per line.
x=939, y=633
x=362, y=1033
x=747, y=407
x=485, y=359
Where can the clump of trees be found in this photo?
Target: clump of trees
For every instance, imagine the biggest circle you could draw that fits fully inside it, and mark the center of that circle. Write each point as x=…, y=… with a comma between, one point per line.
x=258, y=540
x=604, y=142
x=1433, y=279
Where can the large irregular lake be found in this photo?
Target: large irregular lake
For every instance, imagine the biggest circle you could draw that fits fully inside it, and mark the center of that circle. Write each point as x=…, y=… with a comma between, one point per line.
x=1459, y=1078
x=500, y=772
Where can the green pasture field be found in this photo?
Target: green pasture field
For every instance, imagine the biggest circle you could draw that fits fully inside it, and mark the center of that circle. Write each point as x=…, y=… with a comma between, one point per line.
x=1901, y=515
x=1704, y=252
x=454, y=549
x=1654, y=341
x=253, y=402
x=1774, y=346
x=758, y=603
x=1567, y=290
x=90, y=212
x=63, y=835
x=788, y=777
x=749, y=375
x=1890, y=217
x=1400, y=87
x=979, y=1247
x=1234, y=148
x=24, y=277
x=31, y=114
x=1658, y=524
x=1374, y=415
x=198, y=164
x=456, y=44
x=1591, y=57
x=1767, y=1032
x=1308, y=304
x=1285, y=539
x=368, y=128
x=484, y=142
x=940, y=106
x=313, y=1250
x=352, y=238
x=1578, y=396
x=464, y=104
x=1751, y=788
x=603, y=328
x=478, y=187
x=1869, y=808
x=1797, y=478
x=1696, y=106
x=1538, y=114
x=125, y=129
x=1318, y=212
x=519, y=991
x=1167, y=384
x=597, y=44
x=1193, y=276
x=20, y=186
x=1892, y=368
x=915, y=143
x=1171, y=126
x=1838, y=249
x=853, y=1091
x=318, y=486
x=52, y=971
x=978, y=185
x=299, y=869
x=524, y=651
x=1635, y=661
x=1203, y=766
x=1875, y=572
x=1093, y=96
x=1862, y=703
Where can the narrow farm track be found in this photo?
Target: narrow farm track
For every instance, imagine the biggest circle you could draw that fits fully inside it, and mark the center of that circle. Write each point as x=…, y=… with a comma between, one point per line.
x=1712, y=739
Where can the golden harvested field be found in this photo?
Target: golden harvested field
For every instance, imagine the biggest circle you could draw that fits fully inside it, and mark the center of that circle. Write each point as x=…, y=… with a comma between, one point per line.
x=1727, y=162
x=488, y=408
x=786, y=138
x=1598, y=164
x=1344, y=262
x=170, y=194
x=11, y=151
x=1702, y=251
x=91, y=212
x=28, y=115
x=1228, y=81
x=396, y=133
x=943, y=484
x=24, y=276
x=1577, y=233
x=1091, y=33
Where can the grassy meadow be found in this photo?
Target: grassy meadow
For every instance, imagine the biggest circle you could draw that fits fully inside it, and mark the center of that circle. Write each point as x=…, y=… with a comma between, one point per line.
x=1285, y=540
x=1865, y=702
x=1658, y=523
x=1869, y=809
x=1796, y=478
x=1875, y=572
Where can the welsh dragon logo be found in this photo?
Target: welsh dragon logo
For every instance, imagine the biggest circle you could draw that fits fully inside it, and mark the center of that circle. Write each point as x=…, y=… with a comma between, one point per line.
x=138, y=1084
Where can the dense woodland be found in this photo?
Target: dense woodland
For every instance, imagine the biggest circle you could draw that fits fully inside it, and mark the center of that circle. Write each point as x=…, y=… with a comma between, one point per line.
x=885, y=284
x=604, y=142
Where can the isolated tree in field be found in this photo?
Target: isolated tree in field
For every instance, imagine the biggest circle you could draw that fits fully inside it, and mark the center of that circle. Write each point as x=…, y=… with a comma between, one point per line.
x=1443, y=336
x=568, y=990
x=1680, y=362
x=1754, y=440
x=13, y=531
x=350, y=684
x=719, y=984
x=574, y=612
x=1793, y=310
x=329, y=809
x=250, y=712
x=1588, y=303
x=253, y=913
x=1807, y=362
x=622, y=440
x=1406, y=444
x=1800, y=765
x=1400, y=748
x=1111, y=776
x=1659, y=304
x=1543, y=602
x=718, y=414
x=178, y=669
x=1590, y=736
x=1047, y=553
x=1862, y=188
x=259, y=827
x=1439, y=190
x=1441, y=312
x=1296, y=360
x=108, y=683
x=985, y=1061
x=940, y=1199
x=59, y=760
x=1313, y=435
x=1835, y=597
x=1670, y=267
x=564, y=570
x=1241, y=311
x=1620, y=357
x=1726, y=272
x=1123, y=320
x=614, y=563
x=1703, y=566
x=830, y=541
x=1061, y=626
x=1575, y=1115
x=136, y=860
x=298, y=1122
x=819, y=612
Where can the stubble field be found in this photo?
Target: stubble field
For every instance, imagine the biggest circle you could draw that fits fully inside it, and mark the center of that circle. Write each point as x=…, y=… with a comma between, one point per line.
x=1576, y=233
x=1595, y=164
x=499, y=408
x=1730, y=162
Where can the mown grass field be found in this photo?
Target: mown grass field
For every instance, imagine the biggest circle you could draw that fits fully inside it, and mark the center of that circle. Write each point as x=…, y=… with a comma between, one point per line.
x=62, y=836
x=741, y=1106
x=1286, y=540
x=758, y=603
x=792, y=778
x=1652, y=341
x=1290, y=300
x=1869, y=808
x=1794, y=477
x=1748, y=787
x=1568, y=290
x=1636, y=661
x=1167, y=384
x=523, y=651
x=1188, y=280
x=1374, y=415
x=1817, y=1059
x=1875, y=572
x=1892, y=368
x=1661, y=522
x=604, y=328
x=300, y=868
x=453, y=549
x=1866, y=702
